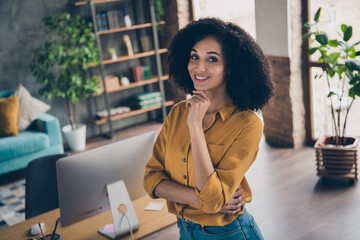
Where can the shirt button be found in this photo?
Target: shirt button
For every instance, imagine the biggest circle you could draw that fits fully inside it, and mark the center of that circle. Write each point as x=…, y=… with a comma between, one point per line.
x=184, y=176
x=184, y=159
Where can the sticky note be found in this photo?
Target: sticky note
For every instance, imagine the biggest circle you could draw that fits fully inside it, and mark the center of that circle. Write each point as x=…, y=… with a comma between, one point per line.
x=154, y=206
x=109, y=228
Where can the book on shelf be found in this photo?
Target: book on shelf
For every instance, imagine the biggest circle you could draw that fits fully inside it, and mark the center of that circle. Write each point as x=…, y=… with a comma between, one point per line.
x=147, y=73
x=98, y=22
x=137, y=73
x=145, y=100
x=110, y=19
x=104, y=22
x=146, y=96
x=113, y=19
x=148, y=103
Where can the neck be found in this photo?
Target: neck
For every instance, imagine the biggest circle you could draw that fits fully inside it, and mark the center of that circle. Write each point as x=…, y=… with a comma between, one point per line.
x=217, y=98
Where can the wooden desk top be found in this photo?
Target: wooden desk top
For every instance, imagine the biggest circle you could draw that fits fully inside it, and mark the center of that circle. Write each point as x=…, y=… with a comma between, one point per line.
x=150, y=222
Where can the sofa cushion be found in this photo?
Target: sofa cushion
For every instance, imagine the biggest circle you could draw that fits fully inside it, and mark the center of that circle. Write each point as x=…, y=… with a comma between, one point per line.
x=25, y=143
x=8, y=116
x=29, y=107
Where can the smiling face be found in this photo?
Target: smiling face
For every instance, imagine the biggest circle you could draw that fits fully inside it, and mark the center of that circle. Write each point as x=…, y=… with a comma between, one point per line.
x=207, y=65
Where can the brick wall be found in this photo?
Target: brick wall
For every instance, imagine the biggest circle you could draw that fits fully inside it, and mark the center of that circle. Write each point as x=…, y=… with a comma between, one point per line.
x=284, y=116
x=278, y=113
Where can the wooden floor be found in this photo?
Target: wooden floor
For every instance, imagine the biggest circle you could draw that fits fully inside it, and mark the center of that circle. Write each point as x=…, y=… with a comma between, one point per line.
x=289, y=201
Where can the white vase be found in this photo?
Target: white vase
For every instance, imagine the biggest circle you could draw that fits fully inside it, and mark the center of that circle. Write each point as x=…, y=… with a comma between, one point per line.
x=113, y=56
x=75, y=138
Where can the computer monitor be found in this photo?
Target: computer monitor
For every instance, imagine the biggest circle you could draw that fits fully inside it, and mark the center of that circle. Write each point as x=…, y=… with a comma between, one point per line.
x=82, y=177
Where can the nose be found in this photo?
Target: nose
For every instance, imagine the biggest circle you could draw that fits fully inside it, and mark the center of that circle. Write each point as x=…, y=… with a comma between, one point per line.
x=200, y=66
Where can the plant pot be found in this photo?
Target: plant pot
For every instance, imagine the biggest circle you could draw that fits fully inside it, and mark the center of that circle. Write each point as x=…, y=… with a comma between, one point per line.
x=75, y=138
x=337, y=160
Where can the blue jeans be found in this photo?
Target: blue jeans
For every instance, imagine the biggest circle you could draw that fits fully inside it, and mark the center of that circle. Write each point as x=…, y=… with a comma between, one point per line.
x=243, y=227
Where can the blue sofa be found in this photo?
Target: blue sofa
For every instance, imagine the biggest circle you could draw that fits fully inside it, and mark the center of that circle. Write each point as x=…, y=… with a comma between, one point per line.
x=41, y=138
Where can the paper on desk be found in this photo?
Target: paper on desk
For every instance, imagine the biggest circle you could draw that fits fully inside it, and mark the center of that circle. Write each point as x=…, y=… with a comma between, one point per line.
x=155, y=206
x=109, y=228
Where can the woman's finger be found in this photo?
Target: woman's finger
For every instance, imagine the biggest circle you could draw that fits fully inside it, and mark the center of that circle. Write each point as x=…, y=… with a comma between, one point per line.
x=233, y=212
x=232, y=207
x=235, y=208
x=235, y=201
x=237, y=193
x=196, y=98
x=202, y=93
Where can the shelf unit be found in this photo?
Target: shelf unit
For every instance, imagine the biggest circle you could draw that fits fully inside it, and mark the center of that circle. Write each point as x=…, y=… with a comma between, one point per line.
x=159, y=78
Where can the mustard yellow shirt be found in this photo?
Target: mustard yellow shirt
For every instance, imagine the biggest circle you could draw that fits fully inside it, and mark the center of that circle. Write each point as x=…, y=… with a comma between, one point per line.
x=232, y=139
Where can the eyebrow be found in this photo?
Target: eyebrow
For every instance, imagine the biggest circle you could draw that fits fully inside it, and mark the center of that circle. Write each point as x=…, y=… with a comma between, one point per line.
x=211, y=52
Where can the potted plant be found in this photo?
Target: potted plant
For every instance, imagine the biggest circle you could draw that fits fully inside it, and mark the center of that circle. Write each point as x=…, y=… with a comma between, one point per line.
x=340, y=63
x=112, y=52
x=60, y=65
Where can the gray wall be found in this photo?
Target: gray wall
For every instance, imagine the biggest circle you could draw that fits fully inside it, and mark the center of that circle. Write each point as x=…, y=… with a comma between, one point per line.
x=22, y=31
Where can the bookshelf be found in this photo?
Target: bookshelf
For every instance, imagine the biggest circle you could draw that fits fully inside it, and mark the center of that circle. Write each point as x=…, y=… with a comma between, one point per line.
x=153, y=55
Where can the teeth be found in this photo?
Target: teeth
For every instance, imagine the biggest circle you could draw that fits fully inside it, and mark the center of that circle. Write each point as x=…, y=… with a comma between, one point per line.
x=201, y=78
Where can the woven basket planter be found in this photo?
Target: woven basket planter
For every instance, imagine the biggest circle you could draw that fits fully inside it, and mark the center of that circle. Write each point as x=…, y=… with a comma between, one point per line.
x=337, y=161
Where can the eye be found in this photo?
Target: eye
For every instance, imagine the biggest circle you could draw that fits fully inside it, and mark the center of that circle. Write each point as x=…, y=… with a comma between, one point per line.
x=212, y=59
x=194, y=57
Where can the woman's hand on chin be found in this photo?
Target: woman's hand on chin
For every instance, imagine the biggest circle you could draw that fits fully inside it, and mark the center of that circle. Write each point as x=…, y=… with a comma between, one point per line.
x=197, y=105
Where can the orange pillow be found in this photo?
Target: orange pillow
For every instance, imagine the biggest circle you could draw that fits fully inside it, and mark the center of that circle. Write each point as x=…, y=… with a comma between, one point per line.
x=9, y=108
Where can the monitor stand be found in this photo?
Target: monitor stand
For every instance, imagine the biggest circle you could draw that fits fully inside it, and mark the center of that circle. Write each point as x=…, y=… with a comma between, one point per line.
x=122, y=211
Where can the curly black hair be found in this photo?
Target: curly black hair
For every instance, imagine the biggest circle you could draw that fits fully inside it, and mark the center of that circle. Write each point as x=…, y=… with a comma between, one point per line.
x=248, y=81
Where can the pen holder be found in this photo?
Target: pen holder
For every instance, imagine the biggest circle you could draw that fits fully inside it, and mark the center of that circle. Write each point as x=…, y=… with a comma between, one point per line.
x=48, y=237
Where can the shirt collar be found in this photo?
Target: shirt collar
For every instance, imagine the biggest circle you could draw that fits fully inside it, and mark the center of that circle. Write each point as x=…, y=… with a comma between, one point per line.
x=227, y=110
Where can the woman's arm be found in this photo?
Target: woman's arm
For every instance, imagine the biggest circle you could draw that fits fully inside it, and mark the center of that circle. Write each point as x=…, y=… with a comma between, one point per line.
x=175, y=192
x=203, y=167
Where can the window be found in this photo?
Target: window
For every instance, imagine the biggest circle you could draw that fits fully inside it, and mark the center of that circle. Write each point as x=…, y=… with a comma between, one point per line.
x=241, y=12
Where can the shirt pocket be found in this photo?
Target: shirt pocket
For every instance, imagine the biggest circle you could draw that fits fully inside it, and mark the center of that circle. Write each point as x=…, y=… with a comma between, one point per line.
x=216, y=152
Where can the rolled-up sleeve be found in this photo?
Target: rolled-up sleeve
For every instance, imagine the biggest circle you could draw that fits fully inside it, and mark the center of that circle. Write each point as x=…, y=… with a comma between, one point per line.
x=155, y=167
x=226, y=178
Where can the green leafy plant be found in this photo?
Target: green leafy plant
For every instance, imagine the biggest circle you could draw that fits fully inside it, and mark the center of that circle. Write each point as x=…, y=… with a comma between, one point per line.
x=111, y=50
x=341, y=66
x=60, y=64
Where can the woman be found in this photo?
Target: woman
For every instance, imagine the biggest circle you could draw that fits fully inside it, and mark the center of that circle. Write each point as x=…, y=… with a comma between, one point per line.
x=208, y=142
